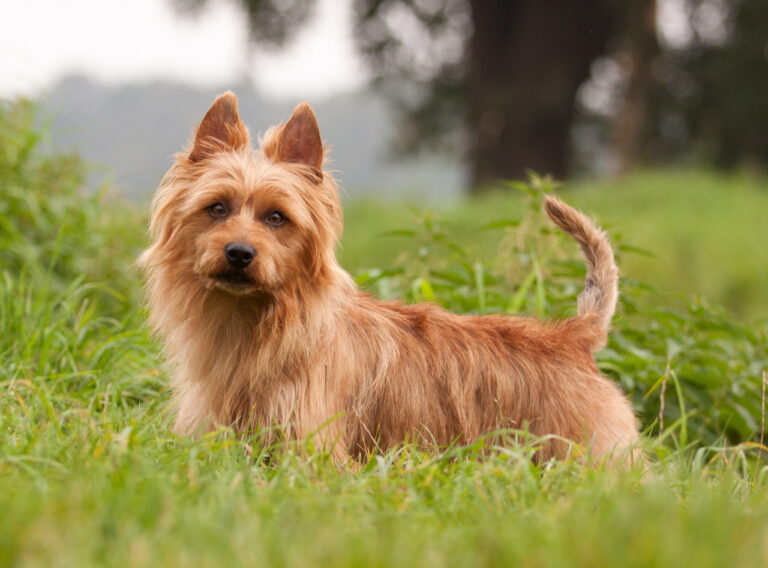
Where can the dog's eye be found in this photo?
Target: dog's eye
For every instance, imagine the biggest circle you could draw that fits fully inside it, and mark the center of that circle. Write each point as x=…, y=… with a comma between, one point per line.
x=217, y=210
x=275, y=218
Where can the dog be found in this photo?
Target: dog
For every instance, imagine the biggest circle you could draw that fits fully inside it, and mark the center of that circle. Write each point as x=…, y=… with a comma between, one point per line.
x=263, y=328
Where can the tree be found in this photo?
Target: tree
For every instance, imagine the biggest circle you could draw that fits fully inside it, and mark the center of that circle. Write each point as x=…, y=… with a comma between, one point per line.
x=695, y=91
x=270, y=22
x=640, y=47
x=497, y=79
x=503, y=73
x=719, y=81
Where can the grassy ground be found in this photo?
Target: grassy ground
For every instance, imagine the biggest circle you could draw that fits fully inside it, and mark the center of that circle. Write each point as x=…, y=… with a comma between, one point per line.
x=90, y=474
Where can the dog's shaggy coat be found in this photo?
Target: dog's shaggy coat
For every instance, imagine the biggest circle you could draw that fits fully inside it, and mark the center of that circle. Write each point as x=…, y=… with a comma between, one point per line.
x=289, y=340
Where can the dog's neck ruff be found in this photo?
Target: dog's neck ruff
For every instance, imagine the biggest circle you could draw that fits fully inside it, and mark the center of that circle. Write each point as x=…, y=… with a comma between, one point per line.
x=210, y=332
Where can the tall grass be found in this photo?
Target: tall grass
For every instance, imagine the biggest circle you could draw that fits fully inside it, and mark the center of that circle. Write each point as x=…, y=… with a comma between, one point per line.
x=50, y=230
x=90, y=474
x=704, y=233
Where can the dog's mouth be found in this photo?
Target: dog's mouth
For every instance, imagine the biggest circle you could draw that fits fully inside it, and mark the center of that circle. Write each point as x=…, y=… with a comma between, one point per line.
x=237, y=282
x=234, y=278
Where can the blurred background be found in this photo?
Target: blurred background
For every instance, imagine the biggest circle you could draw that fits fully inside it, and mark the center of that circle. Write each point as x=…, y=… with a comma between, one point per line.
x=446, y=96
x=655, y=112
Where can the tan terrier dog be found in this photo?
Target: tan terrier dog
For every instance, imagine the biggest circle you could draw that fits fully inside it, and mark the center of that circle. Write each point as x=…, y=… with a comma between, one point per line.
x=264, y=328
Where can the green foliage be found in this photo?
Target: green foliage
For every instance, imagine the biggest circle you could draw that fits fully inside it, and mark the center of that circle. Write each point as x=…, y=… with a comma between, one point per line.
x=64, y=342
x=704, y=230
x=90, y=474
x=49, y=229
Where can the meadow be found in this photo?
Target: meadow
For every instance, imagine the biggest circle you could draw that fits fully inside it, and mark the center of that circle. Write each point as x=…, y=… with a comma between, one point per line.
x=90, y=474
x=691, y=232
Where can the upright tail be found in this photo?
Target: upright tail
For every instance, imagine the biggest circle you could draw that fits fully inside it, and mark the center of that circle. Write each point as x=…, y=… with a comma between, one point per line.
x=601, y=290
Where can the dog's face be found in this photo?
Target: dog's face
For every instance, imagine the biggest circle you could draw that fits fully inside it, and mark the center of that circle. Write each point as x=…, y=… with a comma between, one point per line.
x=249, y=222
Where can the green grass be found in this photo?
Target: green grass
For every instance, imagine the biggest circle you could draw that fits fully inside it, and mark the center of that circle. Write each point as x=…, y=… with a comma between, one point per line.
x=90, y=474
x=706, y=232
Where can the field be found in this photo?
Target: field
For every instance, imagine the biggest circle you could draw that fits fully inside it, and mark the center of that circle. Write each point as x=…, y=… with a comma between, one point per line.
x=703, y=233
x=90, y=474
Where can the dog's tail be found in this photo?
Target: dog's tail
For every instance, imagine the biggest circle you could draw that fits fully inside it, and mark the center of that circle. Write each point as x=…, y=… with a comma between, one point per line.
x=601, y=290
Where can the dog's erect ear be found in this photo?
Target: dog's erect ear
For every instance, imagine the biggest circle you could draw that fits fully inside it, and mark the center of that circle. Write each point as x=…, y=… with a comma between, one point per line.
x=299, y=141
x=221, y=129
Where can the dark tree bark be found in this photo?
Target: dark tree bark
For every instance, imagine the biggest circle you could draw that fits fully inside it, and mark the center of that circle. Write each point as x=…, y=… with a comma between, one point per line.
x=526, y=62
x=632, y=125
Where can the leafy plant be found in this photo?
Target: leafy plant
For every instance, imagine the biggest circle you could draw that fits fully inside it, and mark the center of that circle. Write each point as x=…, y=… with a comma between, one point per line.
x=50, y=228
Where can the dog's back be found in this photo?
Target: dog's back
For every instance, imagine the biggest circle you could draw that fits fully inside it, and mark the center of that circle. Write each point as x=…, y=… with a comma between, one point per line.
x=441, y=378
x=454, y=378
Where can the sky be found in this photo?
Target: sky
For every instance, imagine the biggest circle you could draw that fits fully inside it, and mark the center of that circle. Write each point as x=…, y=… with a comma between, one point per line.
x=119, y=41
x=140, y=40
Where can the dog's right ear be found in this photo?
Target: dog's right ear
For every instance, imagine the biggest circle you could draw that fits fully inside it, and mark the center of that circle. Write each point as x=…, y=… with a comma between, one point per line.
x=221, y=129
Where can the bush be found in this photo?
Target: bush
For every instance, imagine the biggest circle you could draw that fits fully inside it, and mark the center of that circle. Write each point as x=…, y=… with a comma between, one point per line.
x=50, y=228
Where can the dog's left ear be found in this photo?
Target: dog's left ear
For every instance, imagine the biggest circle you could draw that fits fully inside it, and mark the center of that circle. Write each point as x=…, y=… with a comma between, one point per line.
x=221, y=129
x=299, y=141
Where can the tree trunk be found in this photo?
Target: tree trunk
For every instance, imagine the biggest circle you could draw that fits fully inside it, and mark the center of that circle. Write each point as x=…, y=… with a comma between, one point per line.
x=527, y=60
x=632, y=123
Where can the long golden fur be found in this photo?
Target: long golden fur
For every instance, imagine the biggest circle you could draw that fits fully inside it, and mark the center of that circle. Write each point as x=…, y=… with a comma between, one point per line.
x=283, y=337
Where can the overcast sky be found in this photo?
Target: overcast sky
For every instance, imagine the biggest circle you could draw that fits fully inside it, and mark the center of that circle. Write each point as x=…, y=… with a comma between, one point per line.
x=116, y=41
x=124, y=41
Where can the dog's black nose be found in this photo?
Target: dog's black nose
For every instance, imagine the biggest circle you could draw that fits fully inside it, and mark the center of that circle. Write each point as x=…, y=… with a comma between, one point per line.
x=239, y=255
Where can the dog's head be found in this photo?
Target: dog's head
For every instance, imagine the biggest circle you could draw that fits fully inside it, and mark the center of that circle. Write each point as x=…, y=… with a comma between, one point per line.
x=245, y=221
